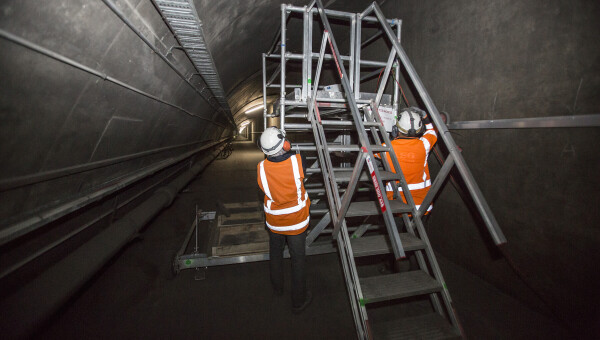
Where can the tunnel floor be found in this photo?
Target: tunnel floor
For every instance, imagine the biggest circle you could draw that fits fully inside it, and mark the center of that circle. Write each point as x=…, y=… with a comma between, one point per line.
x=137, y=296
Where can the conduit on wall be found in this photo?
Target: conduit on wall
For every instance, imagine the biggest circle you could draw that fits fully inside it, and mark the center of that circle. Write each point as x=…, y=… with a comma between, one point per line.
x=27, y=309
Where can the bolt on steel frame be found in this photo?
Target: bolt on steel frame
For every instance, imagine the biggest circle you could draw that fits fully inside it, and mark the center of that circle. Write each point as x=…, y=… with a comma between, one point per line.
x=362, y=113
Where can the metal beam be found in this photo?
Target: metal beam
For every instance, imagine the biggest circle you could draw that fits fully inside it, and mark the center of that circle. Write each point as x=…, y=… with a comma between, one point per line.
x=201, y=261
x=480, y=202
x=371, y=38
x=34, y=222
x=591, y=120
x=16, y=182
x=39, y=299
x=41, y=251
x=314, y=55
x=333, y=13
x=437, y=185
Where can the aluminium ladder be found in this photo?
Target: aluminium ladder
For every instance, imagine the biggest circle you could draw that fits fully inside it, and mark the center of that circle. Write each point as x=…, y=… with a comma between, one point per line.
x=350, y=111
x=384, y=287
x=373, y=139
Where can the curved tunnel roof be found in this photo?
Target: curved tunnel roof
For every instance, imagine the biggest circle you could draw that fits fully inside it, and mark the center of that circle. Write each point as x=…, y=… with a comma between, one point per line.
x=239, y=31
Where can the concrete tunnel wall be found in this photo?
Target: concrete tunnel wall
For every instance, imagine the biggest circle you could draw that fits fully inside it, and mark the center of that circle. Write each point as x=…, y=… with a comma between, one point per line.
x=55, y=115
x=111, y=115
x=478, y=61
x=514, y=59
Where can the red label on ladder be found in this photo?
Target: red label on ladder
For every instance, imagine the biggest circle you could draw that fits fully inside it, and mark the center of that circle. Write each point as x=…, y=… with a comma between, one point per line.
x=375, y=182
x=335, y=57
x=317, y=111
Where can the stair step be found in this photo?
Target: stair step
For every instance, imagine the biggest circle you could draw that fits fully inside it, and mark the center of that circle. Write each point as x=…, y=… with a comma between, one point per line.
x=372, y=208
x=345, y=124
x=344, y=176
x=331, y=122
x=343, y=148
x=355, y=148
x=366, y=208
x=380, y=244
x=317, y=191
x=397, y=286
x=428, y=326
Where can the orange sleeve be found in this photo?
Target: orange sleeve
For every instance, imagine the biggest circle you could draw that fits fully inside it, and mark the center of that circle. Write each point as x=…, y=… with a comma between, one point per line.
x=429, y=138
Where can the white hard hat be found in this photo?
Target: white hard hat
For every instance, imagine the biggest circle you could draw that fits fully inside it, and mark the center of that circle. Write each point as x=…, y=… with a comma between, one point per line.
x=271, y=140
x=409, y=122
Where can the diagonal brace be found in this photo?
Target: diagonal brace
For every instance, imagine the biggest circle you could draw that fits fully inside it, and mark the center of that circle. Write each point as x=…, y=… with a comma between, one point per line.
x=318, y=229
x=437, y=184
x=358, y=168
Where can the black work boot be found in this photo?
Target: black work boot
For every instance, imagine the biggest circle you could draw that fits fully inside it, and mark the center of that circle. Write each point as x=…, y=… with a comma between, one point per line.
x=299, y=309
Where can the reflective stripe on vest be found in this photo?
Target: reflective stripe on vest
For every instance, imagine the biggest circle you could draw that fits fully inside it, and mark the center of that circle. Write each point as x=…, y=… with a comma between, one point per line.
x=415, y=186
x=297, y=180
x=263, y=179
x=286, y=211
x=418, y=206
x=290, y=227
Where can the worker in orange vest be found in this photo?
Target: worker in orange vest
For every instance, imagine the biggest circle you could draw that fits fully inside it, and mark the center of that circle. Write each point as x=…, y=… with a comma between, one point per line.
x=413, y=136
x=286, y=205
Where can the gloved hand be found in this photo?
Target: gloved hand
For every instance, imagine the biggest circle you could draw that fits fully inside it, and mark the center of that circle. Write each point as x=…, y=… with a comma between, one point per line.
x=423, y=114
x=420, y=112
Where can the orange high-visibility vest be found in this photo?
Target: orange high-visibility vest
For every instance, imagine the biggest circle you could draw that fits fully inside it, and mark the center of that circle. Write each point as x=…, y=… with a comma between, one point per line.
x=286, y=201
x=412, y=154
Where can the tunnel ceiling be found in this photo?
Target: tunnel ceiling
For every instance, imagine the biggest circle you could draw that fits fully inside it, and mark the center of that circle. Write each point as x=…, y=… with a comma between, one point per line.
x=239, y=31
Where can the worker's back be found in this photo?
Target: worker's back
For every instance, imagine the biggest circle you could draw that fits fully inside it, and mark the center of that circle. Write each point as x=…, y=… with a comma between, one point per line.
x=286, y=201
x=412, y=154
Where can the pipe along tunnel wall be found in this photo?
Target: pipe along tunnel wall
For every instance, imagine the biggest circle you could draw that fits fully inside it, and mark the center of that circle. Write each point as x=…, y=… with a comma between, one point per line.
x=95, y=116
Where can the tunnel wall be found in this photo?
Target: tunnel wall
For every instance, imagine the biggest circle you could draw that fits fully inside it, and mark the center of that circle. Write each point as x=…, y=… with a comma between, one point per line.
x=514, y=59
x=55, y=115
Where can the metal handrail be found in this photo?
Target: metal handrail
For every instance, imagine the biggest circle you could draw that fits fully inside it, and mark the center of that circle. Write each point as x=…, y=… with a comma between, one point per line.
x=472, y=187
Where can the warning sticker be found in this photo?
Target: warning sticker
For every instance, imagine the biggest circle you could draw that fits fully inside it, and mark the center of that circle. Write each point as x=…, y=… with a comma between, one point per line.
x=376, y=184
x=207, y=215
x=387, y=116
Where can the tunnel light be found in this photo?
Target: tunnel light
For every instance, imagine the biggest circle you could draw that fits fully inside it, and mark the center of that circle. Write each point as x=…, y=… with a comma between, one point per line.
x=256, y=108
x=243, y=125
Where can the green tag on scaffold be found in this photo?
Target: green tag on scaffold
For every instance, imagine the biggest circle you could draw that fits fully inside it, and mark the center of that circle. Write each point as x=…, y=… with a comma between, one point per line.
x=309, y=81
x=188, y=262
x=363, y=302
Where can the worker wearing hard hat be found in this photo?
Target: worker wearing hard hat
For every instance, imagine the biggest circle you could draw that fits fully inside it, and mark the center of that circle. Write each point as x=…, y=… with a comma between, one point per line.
x=413, y=137
x=286, y=205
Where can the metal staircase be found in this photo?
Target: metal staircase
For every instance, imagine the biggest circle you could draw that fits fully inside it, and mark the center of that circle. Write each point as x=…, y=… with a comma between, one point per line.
x=351, y=144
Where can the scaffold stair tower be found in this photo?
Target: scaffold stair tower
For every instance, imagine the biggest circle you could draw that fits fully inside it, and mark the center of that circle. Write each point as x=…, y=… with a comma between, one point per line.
x=364, y=144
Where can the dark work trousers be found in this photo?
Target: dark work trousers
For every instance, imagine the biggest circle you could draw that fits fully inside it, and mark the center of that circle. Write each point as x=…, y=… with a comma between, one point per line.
x=297, y=246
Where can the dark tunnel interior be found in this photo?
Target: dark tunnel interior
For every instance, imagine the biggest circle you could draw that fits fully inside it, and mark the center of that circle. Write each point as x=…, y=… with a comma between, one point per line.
x=114, y=133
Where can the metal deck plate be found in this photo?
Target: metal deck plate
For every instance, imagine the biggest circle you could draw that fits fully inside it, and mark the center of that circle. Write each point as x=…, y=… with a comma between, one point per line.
x=344, y=176
x=429, y=326
x=372, y=208
x=380, y=244
x=241, y=239
x=396, y=286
